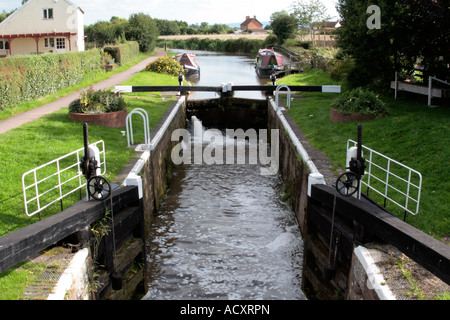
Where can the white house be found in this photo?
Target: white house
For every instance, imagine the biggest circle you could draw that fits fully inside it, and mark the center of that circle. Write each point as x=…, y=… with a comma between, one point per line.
x=41, y=26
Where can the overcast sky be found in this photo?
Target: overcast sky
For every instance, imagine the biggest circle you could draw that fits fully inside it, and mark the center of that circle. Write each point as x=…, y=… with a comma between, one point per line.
x=191, y=11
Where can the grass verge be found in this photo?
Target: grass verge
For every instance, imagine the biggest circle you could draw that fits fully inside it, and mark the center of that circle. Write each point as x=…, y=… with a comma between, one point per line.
x=53, y=136
x=412, y=134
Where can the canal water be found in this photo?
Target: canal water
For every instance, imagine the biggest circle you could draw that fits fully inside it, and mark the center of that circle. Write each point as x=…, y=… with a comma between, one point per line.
x=223, y=231
x=217, y=68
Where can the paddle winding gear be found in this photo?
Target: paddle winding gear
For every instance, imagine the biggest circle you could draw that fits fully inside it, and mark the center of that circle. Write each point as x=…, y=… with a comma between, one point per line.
x=98, y=188
x=349, y=182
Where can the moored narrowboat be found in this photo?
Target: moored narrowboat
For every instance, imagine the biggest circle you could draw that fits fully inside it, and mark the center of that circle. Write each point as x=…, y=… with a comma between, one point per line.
x=268, y=62
x=190, y=64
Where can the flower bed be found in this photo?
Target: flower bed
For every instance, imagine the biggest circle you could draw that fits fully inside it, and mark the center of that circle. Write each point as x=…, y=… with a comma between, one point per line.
x=336, y=116
x=357, y=105
x=103, y=108
x=116, y=119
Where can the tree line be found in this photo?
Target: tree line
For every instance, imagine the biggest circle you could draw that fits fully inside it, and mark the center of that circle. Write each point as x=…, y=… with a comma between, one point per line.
x=402, y=36
x=410, y=35
x=145, y=30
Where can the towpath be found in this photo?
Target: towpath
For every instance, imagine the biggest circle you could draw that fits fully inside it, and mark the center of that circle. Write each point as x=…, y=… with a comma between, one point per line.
x=36, y=113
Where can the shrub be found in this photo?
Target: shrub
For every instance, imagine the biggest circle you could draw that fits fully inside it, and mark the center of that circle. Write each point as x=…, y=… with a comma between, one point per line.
x=25, y=78
x=100, y=101
x=360, y=101
x=123, y=53
x=339, y=68
x=165, y=65
x=271, y=40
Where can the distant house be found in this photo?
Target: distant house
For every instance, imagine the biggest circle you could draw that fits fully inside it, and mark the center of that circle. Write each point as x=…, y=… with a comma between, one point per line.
x=41, y=26
x=326, y=26
x=252, y=25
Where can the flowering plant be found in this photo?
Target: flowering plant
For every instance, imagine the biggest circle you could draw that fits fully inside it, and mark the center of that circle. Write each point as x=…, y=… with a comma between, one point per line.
x=100, y=101
x=165, y=65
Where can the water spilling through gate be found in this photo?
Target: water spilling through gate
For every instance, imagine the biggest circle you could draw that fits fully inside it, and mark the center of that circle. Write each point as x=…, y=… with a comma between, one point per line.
x=222, y=232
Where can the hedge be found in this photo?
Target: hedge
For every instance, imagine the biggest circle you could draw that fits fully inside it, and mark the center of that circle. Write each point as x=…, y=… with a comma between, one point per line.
x=25, y=78
x=241, y=45
x=123, y=53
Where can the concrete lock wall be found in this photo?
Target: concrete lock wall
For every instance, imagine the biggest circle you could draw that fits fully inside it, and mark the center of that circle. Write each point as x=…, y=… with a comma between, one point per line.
x=158, y=168
x=293, y=170
x=352, y=276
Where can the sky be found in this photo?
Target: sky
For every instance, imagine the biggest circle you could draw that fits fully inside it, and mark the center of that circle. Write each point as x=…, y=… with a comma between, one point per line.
x=190, y=11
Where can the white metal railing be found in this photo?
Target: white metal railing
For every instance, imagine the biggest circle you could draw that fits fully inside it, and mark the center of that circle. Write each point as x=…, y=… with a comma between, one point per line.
x=430, y=87
x=288, y=95
x=146, y=121
x=391, y=179
x=55, y=180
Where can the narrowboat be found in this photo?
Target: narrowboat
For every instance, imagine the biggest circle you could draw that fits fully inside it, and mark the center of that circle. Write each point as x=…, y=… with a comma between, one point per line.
x=268, y=62
x=190, y=64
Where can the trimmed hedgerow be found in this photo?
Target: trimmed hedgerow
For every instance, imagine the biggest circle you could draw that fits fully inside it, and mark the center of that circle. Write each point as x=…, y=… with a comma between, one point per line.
x=123, y=53
x=29, y=77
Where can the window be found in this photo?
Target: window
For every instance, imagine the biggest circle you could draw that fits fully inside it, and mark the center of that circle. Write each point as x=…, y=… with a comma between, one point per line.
x=49, y=42
x=47, y=13
x=60, y=43
x=4, y=45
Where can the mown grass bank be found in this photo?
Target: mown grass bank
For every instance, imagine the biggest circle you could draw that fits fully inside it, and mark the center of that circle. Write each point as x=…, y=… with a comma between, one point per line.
x=53, y=136
x=412, y=134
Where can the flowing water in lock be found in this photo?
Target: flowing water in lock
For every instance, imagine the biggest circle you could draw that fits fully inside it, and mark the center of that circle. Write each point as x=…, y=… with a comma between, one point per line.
x=222, y=232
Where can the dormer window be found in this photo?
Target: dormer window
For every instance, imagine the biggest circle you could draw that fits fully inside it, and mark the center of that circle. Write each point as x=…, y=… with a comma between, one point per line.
x=47, y=13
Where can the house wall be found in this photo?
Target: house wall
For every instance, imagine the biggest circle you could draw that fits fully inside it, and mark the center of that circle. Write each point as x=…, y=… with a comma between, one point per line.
x=29, y=19
x=22, y=46
x=254, y=25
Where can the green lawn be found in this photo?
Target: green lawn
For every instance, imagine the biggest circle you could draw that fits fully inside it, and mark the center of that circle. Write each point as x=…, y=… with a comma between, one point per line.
x=54, y=135
x=51, y=137
x=413, y=134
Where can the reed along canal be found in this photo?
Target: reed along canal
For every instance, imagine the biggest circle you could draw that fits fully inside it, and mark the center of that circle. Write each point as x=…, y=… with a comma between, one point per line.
x=223, y=231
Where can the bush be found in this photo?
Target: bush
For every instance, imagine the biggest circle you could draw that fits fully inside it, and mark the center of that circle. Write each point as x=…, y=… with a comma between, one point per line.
x=241, y=45
x=340, y=68
x=360, y=101
x=25, y=78
x=123, y=53
x=100, y=101
x=270, y=41
x=165, y=65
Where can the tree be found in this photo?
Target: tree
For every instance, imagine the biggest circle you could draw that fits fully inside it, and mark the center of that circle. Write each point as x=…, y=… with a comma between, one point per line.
x=283, y=25
x=3, y=15
x=309, y=13
x=168, y=27
x=143, y=29
x=101, y=33
x=410, y=30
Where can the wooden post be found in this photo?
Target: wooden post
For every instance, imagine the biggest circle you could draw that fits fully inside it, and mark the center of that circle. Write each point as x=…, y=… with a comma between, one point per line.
x=37, y=44
x=430, y=81
x=396, y=86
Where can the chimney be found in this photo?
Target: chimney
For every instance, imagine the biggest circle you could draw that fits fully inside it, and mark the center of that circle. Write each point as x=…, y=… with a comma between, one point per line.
x=247, y=17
